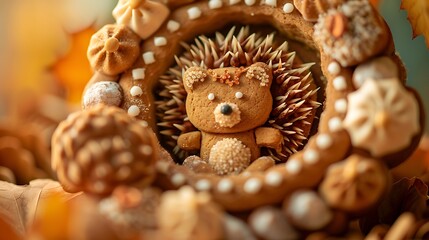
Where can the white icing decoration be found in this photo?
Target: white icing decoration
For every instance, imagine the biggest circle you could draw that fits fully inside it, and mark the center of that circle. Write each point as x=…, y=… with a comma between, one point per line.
x=334, y=68
x=178, y=179
x=239, y=95
x=203, y=185
x=324, y=141
x=377, y=68
x=211, y=96
x=311, y=156
x=293, y=166
x=252, y=186
x=144, y=18
x=341, y=105
x=173, y=26
x=288, y=8
x=273, y=178
x=340, y=83
x=335, y=124
x=136, y=91
x=233, y=2
x=227, y=120
x=272, y=3
x=160, y=41
x=133, y=111
x=382, y=117
x=148, y=58
x=249, y=2
x=225, y=185
x=138, y=73
x=215, y=4
x=194, y=13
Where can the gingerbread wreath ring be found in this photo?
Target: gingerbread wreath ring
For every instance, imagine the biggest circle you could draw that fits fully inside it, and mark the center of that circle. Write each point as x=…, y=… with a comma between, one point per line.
x=368, y=113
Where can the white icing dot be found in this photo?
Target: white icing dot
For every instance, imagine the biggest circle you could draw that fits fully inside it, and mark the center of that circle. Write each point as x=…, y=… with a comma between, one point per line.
x=335, y=124
x=144, y=123
x=311, y=156
x=211, y=96
x=293, y=166
x=334, y=68
x=214, y=4
x=178, y=179
x=274, y=178
x=133, y=111
x=160, y=41
x=173, y=26
x=341, y=105
x=146, y=150
x=194, y=13
x=324, y=141
x=203, y=185
x=249, y=2
x=233, y=2
x=238, y=95
x=136, y=91
x=148, y=57
x=272, y=3
x=138, y=73
x=252, y=186
x=340, y=83
x=288, y=8
x=225, y=185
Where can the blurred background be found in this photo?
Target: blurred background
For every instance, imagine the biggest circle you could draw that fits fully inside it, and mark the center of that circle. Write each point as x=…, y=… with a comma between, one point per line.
x=43, y=51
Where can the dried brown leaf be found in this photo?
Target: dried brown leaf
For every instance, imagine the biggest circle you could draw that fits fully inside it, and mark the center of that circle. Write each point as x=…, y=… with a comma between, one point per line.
x=418, y=15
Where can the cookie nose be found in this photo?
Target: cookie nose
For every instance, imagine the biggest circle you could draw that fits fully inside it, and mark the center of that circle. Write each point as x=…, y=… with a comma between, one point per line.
x=226, y=109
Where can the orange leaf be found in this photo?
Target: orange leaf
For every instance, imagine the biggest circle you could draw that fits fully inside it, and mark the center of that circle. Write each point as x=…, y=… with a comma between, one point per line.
x=418, y=15
x=73, y=70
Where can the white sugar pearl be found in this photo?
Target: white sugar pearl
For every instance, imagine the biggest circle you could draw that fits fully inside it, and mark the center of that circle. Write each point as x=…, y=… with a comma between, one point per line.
x=138, y=73
x=178, y=179
x=238, y=95
x=136, y=91
x=341, y=106
x=249, y=2
x=215, y=4
x=133, y=111
x=324, y=141
x=211, y=96
x=272, y=3
x=334, y=68
x=340, y=83
x=148, y=57
x=160, y=41
x=274, y=179
x=225, y=185
x=194, y=13
x=288, y=8
x=233, y=2
x=203, y=185
x=293, y=166
x=173, y=26
x=335, y=124
x=252, y=186
x=311, y=156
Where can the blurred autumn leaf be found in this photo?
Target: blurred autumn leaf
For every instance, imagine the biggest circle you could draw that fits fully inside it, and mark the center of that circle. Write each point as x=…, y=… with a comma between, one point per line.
x=418, y=15
x=73, y=70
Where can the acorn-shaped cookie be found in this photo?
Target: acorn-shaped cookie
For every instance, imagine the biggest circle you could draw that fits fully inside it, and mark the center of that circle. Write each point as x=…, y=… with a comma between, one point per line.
x=100, y=148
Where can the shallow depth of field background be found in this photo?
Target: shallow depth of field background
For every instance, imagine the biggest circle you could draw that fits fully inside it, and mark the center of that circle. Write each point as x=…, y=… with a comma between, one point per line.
x=43, y=47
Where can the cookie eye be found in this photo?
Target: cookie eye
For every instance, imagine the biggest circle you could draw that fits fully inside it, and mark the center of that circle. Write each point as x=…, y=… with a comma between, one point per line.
x=211, y=96
x=239, y=95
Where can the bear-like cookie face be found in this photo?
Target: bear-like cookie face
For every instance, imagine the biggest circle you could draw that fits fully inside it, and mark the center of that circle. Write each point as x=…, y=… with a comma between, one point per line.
x=228, y=100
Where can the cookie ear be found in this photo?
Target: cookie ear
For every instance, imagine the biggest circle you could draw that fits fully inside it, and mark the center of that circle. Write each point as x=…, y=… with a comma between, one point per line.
x=260, y=72
x=192, y=76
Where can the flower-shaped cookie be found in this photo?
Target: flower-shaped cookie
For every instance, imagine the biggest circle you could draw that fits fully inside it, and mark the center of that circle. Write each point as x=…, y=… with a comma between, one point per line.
x=144, y=17
x=383, y=117
x=113, y=49
x=355, y=184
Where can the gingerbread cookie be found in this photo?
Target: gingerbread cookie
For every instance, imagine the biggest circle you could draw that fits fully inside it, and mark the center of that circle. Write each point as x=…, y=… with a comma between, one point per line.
x=311, y=95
